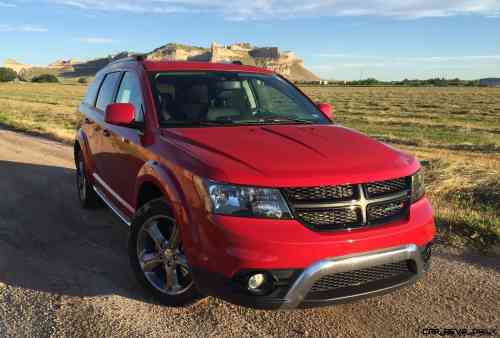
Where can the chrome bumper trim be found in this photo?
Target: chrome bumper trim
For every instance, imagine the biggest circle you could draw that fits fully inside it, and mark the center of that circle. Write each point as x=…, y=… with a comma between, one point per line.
x=306, y=280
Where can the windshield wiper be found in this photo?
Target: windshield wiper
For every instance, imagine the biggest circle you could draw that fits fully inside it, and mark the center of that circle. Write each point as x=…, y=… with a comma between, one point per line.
x=292, y=119
x=276, y=120
x=195, y=123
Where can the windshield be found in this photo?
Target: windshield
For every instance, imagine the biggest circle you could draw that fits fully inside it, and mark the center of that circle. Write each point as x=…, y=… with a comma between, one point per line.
x=219, y=98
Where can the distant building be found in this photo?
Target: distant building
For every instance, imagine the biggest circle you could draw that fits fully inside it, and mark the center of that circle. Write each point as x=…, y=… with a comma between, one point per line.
x=490, y=82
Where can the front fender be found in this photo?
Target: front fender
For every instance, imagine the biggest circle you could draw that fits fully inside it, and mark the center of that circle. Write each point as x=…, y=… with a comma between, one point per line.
x=153, y=172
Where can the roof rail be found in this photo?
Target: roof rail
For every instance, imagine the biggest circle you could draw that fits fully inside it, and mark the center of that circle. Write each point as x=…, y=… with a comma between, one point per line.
x=231, y=62
x=135, y=57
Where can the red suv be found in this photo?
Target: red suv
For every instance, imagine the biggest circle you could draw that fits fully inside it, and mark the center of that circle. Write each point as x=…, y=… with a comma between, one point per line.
x=235, y=184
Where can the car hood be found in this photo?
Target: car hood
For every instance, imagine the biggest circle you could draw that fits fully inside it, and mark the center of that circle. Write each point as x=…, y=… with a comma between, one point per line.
x=290, y=155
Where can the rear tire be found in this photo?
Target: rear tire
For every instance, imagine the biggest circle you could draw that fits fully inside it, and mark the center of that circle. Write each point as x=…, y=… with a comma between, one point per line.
x=86, y=194
x=160, y=266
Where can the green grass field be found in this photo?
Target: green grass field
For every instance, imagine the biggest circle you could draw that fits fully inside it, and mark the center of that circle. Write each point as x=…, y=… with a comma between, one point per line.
x=454, y=131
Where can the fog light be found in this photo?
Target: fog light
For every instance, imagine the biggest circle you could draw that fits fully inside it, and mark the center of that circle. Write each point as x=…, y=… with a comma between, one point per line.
x=256, y=281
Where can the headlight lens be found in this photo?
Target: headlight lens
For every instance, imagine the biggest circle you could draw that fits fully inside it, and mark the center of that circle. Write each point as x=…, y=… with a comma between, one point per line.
x=234, y=200
x=417, y=186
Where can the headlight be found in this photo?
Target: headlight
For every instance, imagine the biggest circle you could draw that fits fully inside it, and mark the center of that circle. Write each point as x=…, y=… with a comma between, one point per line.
x=234, y=200
x=417, y=186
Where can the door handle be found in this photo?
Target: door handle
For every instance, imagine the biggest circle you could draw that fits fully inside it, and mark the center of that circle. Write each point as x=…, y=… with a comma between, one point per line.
x=106, y=133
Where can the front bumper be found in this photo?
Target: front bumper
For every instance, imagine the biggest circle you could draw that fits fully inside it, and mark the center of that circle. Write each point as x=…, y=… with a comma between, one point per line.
x=229, y=248
x=298, y=292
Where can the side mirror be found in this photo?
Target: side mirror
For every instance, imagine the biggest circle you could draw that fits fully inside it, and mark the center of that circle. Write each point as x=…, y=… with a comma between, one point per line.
x=120, y=114
x=326, y=109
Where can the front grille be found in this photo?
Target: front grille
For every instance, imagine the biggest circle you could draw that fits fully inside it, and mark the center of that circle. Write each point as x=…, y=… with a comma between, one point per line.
x=360, y=277
x=350, y=206
x=386, y=210
x=377, y=189
x=331, y=219
x=321, y=194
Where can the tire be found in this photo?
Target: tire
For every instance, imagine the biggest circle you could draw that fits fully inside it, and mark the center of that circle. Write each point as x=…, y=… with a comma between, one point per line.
x=86, y=194
x=159, y=265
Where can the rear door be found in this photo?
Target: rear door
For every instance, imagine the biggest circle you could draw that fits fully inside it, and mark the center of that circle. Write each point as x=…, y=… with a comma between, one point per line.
x=89, y=125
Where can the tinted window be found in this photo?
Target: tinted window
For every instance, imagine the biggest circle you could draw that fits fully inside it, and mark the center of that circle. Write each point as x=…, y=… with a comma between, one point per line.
x=107, y=90
x=214, y=98
x=130, y=92
x=92, y=91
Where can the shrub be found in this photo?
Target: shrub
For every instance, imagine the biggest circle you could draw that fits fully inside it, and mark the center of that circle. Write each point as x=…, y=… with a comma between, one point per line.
x=82, y=80
x=45, y=78
x=7, y=74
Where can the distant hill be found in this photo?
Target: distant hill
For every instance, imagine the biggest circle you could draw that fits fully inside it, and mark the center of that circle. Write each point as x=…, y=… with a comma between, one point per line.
x=284, y=63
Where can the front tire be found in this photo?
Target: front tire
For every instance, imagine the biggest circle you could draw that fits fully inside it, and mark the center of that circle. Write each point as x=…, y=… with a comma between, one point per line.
x=156, y=255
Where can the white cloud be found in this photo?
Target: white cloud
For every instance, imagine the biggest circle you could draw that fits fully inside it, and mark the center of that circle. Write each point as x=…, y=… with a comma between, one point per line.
x=96, y=40
x=23, y=28
x=7, y=5
x=263, y=9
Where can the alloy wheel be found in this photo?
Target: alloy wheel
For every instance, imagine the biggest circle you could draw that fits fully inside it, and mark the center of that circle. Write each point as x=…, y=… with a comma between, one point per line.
x=161, y=258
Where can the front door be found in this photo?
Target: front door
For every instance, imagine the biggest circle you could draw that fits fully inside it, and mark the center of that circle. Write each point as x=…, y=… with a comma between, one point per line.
x=126, y=155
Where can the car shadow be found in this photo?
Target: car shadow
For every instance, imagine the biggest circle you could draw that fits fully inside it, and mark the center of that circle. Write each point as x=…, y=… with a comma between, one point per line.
x=50, y=244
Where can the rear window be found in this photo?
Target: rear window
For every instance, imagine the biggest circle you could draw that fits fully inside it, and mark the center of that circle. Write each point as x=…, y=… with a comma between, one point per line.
x=107, y=91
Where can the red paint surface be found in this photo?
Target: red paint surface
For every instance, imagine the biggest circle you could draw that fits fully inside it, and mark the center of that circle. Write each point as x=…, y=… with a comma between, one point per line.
x=267, y=156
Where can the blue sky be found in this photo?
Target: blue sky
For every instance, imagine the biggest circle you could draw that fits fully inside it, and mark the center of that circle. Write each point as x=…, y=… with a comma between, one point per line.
x=341, y=39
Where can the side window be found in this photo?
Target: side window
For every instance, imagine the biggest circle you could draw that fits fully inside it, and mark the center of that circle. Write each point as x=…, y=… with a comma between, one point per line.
x=92, y=91
x=107, y=90
x=130, y=92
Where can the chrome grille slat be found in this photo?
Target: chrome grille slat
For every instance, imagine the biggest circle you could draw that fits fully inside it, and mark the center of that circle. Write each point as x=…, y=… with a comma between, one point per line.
x=350, y=206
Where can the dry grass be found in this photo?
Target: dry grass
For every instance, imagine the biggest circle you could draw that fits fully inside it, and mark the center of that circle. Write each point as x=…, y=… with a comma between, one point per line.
x=46, y=109
x=454, y=131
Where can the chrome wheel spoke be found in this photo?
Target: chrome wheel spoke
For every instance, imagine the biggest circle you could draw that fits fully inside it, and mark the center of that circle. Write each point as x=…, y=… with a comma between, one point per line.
x=154, y=232
x=171, y=278
x=149, y=261
x=181, y=260
x=160, y=256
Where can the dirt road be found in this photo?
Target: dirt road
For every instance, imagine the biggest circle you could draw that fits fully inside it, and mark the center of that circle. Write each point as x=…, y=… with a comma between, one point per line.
x=64, y=273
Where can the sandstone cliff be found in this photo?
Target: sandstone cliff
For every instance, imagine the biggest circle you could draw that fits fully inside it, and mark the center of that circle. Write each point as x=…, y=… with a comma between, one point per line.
x=16, y=66
x=284, y=63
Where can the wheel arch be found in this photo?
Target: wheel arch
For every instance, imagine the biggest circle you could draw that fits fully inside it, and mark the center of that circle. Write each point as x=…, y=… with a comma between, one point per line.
x=81, y=144
x=154, y=181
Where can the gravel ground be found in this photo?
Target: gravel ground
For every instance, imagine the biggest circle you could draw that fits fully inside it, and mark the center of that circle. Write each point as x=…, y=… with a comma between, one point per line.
x=64, y=273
